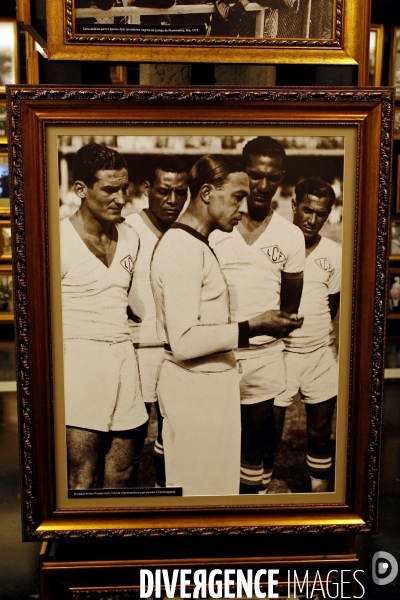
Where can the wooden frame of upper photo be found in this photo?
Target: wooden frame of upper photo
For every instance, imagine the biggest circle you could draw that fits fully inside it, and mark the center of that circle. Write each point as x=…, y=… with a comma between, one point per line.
x=185, y=33
x=48, y=125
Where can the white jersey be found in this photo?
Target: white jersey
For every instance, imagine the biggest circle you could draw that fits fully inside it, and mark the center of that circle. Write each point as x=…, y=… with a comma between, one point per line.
x=141, y=298
x=95, y=297
x=191, y=296
x=254, y=271
x=322, y=275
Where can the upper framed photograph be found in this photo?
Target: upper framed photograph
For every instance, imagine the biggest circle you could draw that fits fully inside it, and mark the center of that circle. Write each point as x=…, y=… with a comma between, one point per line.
x=272, y=31
x=188, y=258
x=8, y=52
x=376, y=39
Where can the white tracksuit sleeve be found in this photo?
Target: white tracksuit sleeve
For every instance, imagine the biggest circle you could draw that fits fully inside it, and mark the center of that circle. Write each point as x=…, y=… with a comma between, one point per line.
x=194, y=298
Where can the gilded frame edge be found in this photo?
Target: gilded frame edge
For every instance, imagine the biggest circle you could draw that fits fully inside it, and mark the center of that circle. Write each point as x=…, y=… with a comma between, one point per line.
x=68, y=525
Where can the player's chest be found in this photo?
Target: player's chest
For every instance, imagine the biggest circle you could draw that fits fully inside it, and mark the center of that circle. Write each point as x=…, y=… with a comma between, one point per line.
x=265, y=256
x=318, y=269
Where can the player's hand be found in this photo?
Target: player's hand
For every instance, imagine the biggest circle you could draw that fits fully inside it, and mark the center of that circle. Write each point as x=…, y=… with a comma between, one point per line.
x=275, y=323
x=132, y=316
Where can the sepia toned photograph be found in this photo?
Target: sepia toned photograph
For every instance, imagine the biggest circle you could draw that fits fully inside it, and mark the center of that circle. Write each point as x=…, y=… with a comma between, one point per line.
x=309, y=19
x=199, y=310
x=294, y=211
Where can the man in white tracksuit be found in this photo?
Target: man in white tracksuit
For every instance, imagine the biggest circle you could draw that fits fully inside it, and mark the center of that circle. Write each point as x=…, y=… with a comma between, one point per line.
x=166, y=190
x=198, y=387
x=310, y=355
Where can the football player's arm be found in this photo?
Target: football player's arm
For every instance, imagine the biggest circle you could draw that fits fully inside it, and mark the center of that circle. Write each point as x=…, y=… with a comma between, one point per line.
x=291, y=289
x=333, y=301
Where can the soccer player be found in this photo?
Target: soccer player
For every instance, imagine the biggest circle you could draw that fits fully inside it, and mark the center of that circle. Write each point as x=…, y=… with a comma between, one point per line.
x=103, y=402
x=198, y=386
x=166, y=189
x=310, y=355
x=262, y=260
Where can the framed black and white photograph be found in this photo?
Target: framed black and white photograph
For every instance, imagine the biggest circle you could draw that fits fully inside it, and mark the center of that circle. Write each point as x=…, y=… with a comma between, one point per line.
x=376, y=39
x=202, y=318
x=269, y=31
x=8, y=52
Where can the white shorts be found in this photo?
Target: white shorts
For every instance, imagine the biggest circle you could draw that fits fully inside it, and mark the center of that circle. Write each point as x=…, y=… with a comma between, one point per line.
x=262, y=377
x=201, y=429
x=313, y=374
x=149, y=360
x=102, y=386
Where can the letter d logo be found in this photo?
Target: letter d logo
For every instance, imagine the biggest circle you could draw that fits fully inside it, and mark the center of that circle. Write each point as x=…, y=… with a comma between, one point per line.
x=384, y=568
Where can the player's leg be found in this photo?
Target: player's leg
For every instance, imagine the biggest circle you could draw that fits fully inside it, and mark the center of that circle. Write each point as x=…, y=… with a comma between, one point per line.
x=139, y=445
x=128, y=420
x=119, y=461
x=159, y=459
x=83, y=447
x=319, y=391
x=258, y=429
x=319, y=450
x=263, y=378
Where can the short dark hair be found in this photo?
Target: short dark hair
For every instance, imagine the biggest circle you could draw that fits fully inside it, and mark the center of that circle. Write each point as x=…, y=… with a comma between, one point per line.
x=263, y=146
x=316, y=187
x=96, y=157
x=212, y=168
x=166, y=163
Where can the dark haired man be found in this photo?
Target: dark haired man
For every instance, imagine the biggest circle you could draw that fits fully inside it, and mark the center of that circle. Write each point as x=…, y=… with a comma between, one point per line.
x=198, y=386
x=310, y=355
x=103, y=402
x=262, y=260
x=166, y=190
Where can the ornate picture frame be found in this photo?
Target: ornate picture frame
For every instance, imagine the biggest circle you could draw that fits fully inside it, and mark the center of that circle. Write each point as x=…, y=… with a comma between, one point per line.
x=258, y=33
x=46, y=116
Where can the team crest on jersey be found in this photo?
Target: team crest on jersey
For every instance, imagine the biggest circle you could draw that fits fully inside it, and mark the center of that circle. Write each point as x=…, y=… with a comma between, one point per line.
x=274, y=254
x=128, y=263
x=324, y=264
